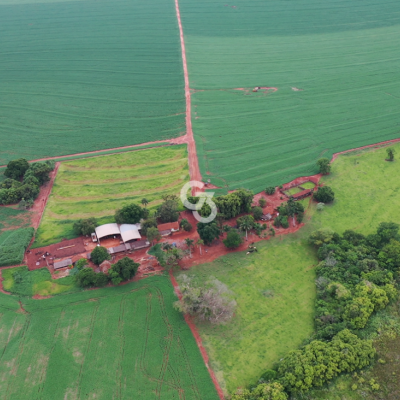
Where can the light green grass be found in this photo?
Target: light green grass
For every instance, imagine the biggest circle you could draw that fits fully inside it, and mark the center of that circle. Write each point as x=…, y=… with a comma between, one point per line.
x=367, y=192
x=342, y=53
x=13, y=218
x=308, y=185
x=264, y=328
x=88, y=75
x=293, y=190
x=34, y=282
x=125, y=342
x=98, y=186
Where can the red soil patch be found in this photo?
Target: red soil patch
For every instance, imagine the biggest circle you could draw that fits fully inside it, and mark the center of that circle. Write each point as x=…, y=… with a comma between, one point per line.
x=197, y=337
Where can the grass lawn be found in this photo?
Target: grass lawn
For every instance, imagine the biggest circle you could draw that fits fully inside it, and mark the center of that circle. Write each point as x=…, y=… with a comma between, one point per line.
x=97, y=186
x=21, y=281
x=122, y=343
x=274, y=289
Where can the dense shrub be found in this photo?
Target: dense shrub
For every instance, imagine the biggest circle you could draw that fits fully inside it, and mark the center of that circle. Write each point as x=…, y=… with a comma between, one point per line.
x=100, y=254
x=85, y=226
x=270, y=190
x=324, y=195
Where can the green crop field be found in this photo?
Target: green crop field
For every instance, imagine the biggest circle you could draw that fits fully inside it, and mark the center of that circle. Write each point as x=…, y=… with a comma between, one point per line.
x=336, y=67
x=13, y=218
x=13, y=244
x=116, y=343
x=97, y=186
x=21, y=281
x=86, y=75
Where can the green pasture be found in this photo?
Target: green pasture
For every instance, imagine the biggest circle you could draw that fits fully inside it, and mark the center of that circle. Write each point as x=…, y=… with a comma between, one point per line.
x=265, y=327
x=86, y=75
x=367, y=192
x=97, y=186
x=335, y=65
x=274, y=290
x=124, y=343
x=21, y=281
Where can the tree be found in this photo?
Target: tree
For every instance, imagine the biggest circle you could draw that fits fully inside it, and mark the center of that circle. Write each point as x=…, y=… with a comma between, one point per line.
x=270, y=190
x=146, y=224
x=324, y=194
x=324, y=166
x=200, y=243
x=130, y=214
x=123, y=270
x=387, y=231
x=390, y=152
x=321, y=236
x=186, y=225
x=101, y=279
x=85, y=226
x=358, y=311
x=262, y=202
x=85, y=277
x=39, y=170
x=25, y=204
x=264, y=391
x=208, y=232
x=246, y=223
x=16, y=169
x=81, y=263
x=144, y=202
x=100, y=254
x=233, y=239
x=212, y=302
x=189, y=243
x=319, y=362
x=257, y=213
x=153, y=234
x=168, y=210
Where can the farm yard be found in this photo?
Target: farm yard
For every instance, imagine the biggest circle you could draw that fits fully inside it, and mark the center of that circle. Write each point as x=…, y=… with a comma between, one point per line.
x=98, y=186
x=334, y=64
x=86, y=75
x=123, y=343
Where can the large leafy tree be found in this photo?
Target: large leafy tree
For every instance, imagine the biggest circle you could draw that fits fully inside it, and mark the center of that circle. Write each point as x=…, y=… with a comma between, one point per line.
x=85, y=226
x=100, y=254
x=233, y=239
x=130, y=214
x=123, y=270
x=264, y=391
x=324, y=166
x=246, y=223
x=168, y=210
x=16, y=168
x=153, y=234
x=324, y=195
x=208, y=232
x=85, y=277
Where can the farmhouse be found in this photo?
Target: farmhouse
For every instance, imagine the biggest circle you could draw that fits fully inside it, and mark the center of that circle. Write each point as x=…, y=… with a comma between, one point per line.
x=167, y=229
x=127, y=232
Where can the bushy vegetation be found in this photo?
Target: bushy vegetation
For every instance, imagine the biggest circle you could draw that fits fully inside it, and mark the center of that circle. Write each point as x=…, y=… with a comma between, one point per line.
x=324, y=194
x=130, y=214
x=13, y=190
x=13, y=244
x=291, y=209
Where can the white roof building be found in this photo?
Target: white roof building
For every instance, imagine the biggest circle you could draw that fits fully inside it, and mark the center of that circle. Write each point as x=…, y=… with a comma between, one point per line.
x=127, y=231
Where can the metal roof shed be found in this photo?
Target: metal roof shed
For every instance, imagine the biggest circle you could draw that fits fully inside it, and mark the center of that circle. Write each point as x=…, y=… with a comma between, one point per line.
x=107, y=230
x=62, y=263
x=130, y=232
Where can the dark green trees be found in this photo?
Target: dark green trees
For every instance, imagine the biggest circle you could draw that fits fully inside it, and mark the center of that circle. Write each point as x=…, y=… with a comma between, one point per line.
x=324, y=195
x=100, y=254
x=130, y=214
x=324, y=166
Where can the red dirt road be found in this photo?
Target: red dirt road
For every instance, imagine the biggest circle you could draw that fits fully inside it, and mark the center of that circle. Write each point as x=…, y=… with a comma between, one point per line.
x=193, y=161
x=197, y=337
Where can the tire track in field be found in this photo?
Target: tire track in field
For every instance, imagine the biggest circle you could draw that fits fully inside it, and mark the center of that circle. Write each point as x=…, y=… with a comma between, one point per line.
x=92, y=321
x=145, y=345
x=20, y=351
x=44, y=370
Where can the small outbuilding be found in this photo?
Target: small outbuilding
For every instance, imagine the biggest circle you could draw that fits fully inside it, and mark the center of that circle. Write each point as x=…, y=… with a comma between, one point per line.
x=171, y=226
x=266, y=217
x=63, y=263
x=105, y=266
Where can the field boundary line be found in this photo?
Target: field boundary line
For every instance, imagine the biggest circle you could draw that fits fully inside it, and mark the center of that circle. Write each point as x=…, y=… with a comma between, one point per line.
x=194, y=169
x=198, y=340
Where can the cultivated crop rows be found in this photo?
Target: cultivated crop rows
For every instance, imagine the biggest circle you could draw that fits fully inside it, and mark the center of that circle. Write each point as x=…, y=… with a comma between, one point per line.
x=124, y=344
